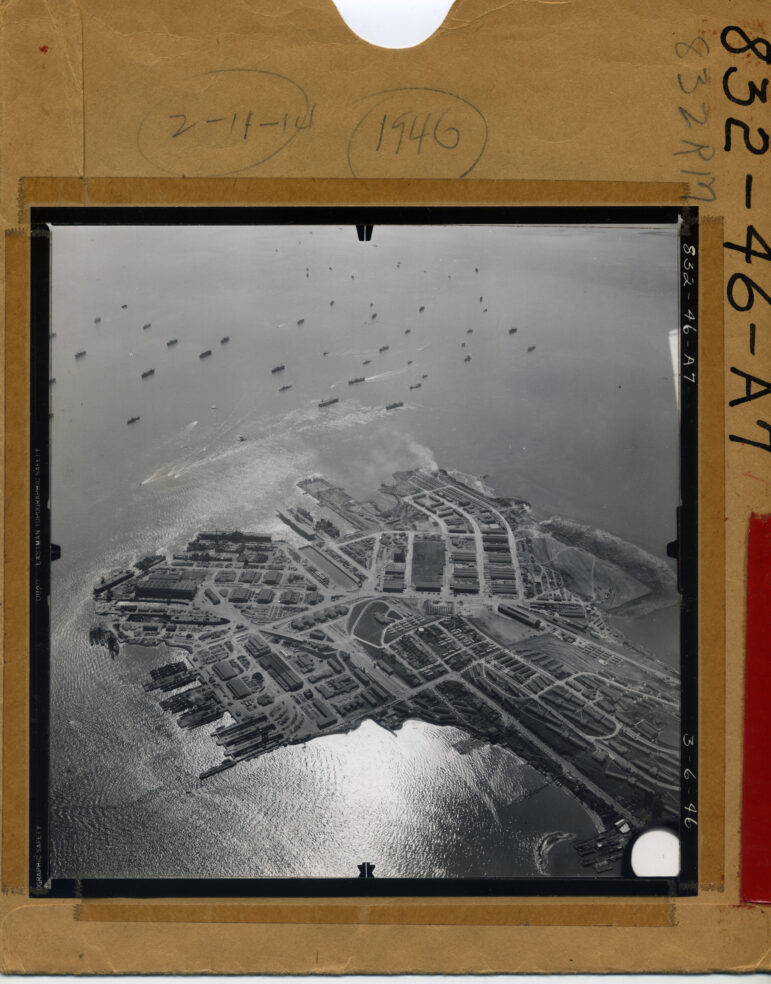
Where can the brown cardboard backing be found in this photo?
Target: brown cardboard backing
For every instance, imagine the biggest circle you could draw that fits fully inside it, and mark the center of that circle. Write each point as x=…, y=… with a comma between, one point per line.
x=478, y=912
x=582, y=104
x=598, y=913
x=711, y=558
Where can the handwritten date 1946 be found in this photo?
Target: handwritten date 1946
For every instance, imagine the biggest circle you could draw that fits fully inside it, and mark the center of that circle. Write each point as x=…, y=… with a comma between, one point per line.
x=417, y=133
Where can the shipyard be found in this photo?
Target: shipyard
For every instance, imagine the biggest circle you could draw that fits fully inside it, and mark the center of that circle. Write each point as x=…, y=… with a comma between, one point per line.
x=450, y=606
x=406, y=647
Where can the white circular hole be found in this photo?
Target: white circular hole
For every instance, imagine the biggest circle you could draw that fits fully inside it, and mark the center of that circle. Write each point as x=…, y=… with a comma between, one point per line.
x=656, y=854
x=393, y=23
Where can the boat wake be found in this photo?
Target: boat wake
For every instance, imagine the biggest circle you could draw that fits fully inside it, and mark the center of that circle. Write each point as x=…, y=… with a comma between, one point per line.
x=388, y=373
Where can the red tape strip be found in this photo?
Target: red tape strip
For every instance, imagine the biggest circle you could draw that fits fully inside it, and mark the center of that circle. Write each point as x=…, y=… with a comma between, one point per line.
x=756, y=797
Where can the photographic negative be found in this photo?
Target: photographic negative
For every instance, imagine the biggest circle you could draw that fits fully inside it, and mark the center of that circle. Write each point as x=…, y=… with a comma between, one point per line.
x=361, y=532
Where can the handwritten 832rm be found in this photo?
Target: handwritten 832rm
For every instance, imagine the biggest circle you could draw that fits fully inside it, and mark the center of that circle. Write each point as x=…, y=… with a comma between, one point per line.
x=743, y=290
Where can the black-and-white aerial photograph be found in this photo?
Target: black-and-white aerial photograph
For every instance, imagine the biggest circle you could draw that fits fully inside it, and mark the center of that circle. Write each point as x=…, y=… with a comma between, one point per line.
x=363, y=549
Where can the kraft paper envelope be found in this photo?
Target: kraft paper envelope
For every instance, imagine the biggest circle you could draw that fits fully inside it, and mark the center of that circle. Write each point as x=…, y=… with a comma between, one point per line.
x=574, y=103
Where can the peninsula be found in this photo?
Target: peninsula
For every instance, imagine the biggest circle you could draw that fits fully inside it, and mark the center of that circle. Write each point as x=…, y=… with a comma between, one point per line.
x=435, y=601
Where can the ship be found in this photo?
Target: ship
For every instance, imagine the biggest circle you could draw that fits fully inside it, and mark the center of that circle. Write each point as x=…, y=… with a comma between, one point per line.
x=394, y=406
x=79, y=355
x=145, y=327
x=205, y=355
x=467, y=359
x=356, y=379
x=124, y=306
x=416, y=386
x=286, y=386
x=215, y=769
x=469, y=331
x=325, y=353
x=424, y=376
x=224, y=339
x=531, y=348
x=512, y=331
x=407, y=331
x=409, y=362
x=384, y=348
x=148, y=372
x=366, y=362
x=294, y=525
x=278, y=368
x=330, y=401
x=132, y=420
x=422, y=307
x=52, y=335
x=97, y=320
x=52, y=380
x=301, y=321
x=171, y=341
